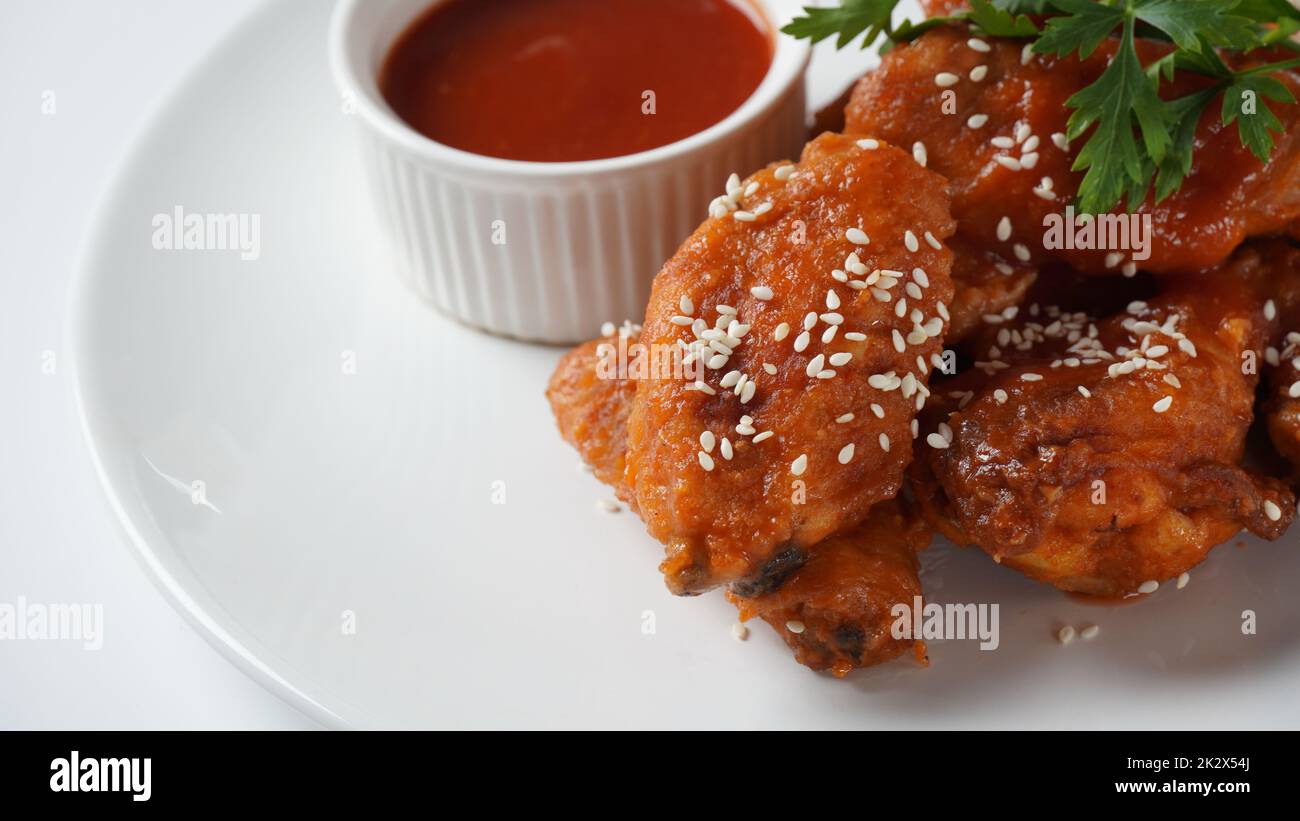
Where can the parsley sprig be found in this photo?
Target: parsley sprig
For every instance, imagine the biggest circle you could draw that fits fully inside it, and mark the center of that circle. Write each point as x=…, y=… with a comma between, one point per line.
x=1139, y=141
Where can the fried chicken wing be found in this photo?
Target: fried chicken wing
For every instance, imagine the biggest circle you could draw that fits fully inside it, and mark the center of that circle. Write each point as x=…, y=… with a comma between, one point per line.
x=994, y=124
x=839, y=601
x=835, y=612
x=812, y=294
x=1099, y=456
x=591, y=405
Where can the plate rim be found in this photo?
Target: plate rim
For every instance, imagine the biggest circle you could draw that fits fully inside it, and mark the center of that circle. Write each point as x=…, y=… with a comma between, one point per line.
x=245, y=654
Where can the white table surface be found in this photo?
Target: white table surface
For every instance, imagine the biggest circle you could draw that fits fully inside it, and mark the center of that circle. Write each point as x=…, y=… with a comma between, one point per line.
x=106, y=62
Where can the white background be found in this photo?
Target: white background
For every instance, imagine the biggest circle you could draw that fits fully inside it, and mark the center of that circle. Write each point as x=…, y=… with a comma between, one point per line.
x=107, y=62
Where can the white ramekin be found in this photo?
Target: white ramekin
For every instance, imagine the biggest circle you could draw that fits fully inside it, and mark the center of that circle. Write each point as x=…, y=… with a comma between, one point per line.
x=583, y=240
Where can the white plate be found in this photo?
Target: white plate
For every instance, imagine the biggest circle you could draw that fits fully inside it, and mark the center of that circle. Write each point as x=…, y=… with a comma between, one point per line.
x=373, y=493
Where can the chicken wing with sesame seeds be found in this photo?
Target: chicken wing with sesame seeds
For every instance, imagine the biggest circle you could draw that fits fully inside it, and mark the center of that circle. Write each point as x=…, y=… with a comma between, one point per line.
x=1099, y=456
x=810, y=294
x=839, y=601
x=994, y=124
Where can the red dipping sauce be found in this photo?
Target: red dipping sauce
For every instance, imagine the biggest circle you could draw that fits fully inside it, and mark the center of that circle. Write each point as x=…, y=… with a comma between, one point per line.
x=566, y=80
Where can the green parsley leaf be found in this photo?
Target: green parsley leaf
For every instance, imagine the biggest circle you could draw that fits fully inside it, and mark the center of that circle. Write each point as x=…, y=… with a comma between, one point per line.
x=1195, y=25
x=1243, y=104
x=1111, y=156
x=848, y=20
x=999, y=22
x=1082, y=30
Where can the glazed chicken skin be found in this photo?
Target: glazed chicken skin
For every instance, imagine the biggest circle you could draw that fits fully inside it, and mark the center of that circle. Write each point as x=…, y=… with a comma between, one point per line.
x=839, y=601
x=1003, y=147
x=1281, y=406
x=815, y=296
x=1101, y=457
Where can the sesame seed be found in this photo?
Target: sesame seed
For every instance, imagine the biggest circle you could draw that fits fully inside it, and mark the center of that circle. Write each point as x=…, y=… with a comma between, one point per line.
x=761, y=292
x=1023, y=131
x=1294, y=390
x=1090, y=632
x=878, y=410
x=932, y=241
x=716, y=361
x=945, y=79
x=846, y=454
x=1272, y=511
x=681, y=320
x=767, y=434
x=703, y=387
x=884, y=443
x=857, y=236
x=739, y=631
x=1009, y=163
x=841, y=358
x=1060, y=141
x=1030, y=145
x=1021, y=252
x=899, y=345
x=1183, y=579
x=726, y=449
x=809, y=320
x=1085, y=392
x=781, y=332
x=801, y=342
x=909, y=239
x=743, y=216
x=706, y=461
x=1029, y=159
x=815, y=365
x=832, y=300
x=794, y=626
x=1113, y=258
x=1270, y=310
x=1031, y=377
x=608, y=505
x=855, y=336
x=919, y=153
x=869, y=144
x=725, y=309
x=783, y=173
x=769, y=368
x=1026, y=54
x=1163, y=404
x=978, y=74
x=979, y=45
x=1065, y=635
x=686, y=305
x=707, y=441
x=977, y=120
x=1170, y=379
x=844, y=417
x=832, y=318
x=826, y=373
x=934, y=440
x=1187, y=347
x=1001, y=396
x=799, y=465
x=748, y=392
x=1004, y=229
x=829, y=334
